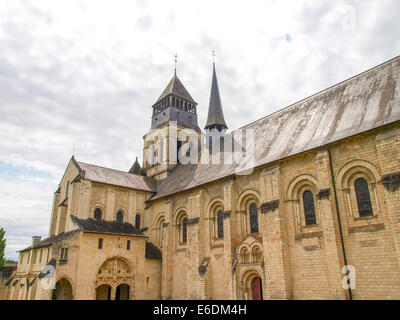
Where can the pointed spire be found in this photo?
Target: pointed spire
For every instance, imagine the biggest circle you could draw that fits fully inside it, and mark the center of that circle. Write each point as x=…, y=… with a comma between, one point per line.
x=215, y=117
x=136, y=168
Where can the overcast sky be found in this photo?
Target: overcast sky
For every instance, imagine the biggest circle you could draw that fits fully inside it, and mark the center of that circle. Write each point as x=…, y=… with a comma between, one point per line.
x=79, y=77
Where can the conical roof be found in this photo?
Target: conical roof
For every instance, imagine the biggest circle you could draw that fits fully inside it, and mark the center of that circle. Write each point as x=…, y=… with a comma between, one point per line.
x=176, y=88
x=136, y=168
x=215, y=114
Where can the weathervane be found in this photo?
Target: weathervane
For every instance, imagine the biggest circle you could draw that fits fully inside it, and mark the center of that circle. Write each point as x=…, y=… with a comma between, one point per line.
x=175, y=60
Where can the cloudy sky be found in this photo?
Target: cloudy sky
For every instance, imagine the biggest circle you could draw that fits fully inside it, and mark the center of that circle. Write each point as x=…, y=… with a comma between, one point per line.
x=79, y=77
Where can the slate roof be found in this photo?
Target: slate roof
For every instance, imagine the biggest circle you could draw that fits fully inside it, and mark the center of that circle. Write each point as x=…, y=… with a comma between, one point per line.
x=6, y=271
x=107, y=227
x=50, y=240
x=360, y=104
x=115, y=177
x=137, y=169
x=215, y=113
x=152, y=252
x=365, y=102
x=176, y=88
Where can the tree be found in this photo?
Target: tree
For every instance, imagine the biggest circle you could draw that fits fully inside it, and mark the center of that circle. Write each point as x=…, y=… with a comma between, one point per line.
x=2, y=247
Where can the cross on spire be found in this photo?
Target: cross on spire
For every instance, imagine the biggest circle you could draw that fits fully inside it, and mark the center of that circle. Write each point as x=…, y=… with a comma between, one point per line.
x=213, y=55
x=175, y=60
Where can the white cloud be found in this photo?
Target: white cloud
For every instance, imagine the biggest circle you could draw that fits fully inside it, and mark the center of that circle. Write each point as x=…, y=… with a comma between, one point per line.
x=83, y=74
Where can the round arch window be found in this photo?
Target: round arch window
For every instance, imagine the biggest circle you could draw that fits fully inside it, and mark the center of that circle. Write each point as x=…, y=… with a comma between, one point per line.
x=120, y=217
x=98, y=214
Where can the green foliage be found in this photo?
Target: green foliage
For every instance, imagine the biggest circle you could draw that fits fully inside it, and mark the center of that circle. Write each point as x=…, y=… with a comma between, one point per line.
x=2, y=247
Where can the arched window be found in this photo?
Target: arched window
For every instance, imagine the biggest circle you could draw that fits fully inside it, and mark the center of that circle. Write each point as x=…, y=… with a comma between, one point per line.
x=66, y=192
x=220, y=224
x=120, y=217
x=137, y=221
x=98, y=214
x=253, y=218
x=184, y=230
x=160, y=232
x=309, y=208
x=363, y=198
x=257, y=255
x=245, y=255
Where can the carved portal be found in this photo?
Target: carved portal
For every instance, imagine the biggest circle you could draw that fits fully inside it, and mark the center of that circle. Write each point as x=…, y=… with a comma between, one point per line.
x=114, y=272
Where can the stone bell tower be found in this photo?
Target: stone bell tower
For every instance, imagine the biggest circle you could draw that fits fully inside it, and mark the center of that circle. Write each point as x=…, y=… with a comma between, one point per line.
x=175, y=108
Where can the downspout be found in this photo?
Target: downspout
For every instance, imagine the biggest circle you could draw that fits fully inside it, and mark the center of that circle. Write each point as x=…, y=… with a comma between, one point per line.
x=339, y=220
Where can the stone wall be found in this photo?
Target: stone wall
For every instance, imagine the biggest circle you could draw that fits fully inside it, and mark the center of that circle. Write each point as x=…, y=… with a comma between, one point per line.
x=299, y=261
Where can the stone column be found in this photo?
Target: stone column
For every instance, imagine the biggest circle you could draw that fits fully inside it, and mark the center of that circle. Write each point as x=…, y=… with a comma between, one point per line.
x=229, y=255
x=53, y=223
x=113, y=292
x=329, y=226
x=272, y=227
x=59, y=220
x=110, y=204
x=388, y=150
x=132, y=208
x=167, y=252
x=85, y=190
x=196, y=284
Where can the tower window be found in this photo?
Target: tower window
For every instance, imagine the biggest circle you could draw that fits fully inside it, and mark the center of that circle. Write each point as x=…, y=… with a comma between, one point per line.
x=100, y=244
x=178, y=146
x=128, y=245
x=120, y=217
x=309, y=208
x=363, y=198
x=137, y=221
x=98, y=214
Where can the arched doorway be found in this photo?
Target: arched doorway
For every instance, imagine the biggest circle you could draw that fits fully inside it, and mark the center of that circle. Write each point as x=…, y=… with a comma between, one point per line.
x=256, y=289
x=250, y=287
x=122, y=292
x=103, y=292
x=63, y=290
x=115, y=271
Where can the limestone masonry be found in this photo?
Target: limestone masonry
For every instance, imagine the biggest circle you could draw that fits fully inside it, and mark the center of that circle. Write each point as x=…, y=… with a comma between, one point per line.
x=323, y=200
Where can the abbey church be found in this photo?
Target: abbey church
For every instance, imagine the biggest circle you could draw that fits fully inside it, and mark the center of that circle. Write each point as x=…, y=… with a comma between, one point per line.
x=317, y=216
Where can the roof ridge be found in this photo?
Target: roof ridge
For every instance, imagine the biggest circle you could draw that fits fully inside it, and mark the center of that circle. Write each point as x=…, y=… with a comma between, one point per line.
x=95, y=165
x=173, y=87
x=322, y=91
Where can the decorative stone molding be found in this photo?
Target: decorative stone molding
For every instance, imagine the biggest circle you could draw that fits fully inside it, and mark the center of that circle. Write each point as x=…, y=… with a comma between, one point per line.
x=355, y=166
x=227, y=214
x=310, y=235
x=270, y=206
x=311, y=248
x=203, y=266
x=324, y=194
x=234, y=265
x=193, y=221
x=391, y=181
x=368, y=228
x=78, y=178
